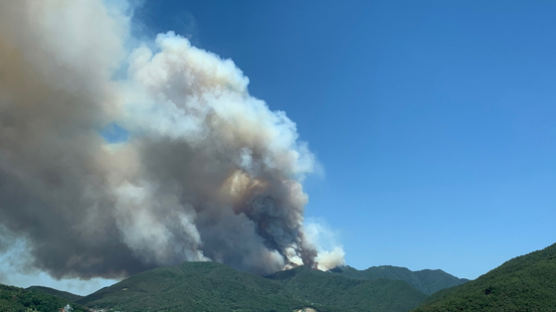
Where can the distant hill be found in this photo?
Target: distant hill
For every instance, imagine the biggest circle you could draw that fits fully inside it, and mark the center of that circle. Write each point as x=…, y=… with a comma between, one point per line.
x=208, y=286
x=525, y=283
x=196, y=286
x=15, y=299
x=426, y=281
x=348, y=294
x=55, y=292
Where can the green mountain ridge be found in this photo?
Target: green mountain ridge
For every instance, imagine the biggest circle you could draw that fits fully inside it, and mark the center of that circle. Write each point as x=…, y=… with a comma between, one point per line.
x=55, y=292
x=426, y=281
x=194, y=286
x=348, y=294
x=15, y=299
x=209, y=286
x=525, y=283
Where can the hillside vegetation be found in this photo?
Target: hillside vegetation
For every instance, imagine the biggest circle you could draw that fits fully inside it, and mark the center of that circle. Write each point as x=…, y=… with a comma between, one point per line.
x=15, y=299
x=426, y=281
x=194, y=286
x=525, y=283
x=207, y=286
x=69, y=297
x=348, y=294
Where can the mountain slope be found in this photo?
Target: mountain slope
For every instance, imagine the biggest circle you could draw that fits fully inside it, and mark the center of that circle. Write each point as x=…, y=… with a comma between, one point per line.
x=15, y=299
x=208, y=286
x=348, y=294
x=426, y=281
x=525, y=283
x=195, y=286
x=55, y=292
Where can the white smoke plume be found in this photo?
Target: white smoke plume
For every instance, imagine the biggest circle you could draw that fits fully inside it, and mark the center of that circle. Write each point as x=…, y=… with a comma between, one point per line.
x=330, y=253
x=208, y=172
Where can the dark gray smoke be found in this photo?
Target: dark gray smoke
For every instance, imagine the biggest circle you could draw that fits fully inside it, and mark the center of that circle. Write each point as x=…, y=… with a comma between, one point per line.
x=208, y=171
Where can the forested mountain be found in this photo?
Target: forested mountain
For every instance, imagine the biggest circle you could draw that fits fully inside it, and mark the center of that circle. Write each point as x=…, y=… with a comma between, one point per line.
x=208, y=286
x=426, y=281
x=525, y=283
x=15, y=299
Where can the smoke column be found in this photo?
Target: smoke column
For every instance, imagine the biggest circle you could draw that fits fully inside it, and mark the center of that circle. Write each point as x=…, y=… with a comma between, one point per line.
x=207, y=172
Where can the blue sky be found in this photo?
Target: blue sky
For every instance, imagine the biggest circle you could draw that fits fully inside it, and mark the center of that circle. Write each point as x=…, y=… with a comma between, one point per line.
x=434, y=120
